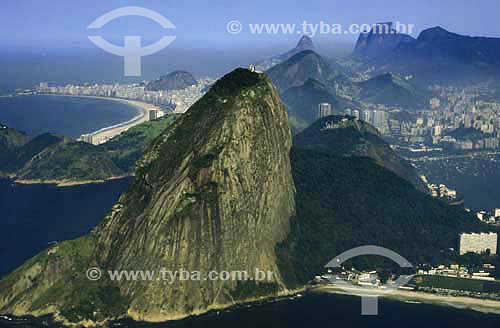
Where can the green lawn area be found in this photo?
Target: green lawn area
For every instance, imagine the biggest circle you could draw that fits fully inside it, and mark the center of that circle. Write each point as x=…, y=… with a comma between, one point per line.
x=457, y=283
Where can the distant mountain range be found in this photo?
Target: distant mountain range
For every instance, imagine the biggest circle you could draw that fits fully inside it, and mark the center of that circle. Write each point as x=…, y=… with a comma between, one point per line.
x=436, y=55
x=173, y=81
x=304, y=81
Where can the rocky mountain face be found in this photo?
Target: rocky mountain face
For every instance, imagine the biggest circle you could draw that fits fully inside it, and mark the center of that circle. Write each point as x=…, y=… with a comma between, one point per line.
x=379, y=41
x=305, y=43
x=435, y=55
x=300, y=68
x=346, y=136
x=173, y=81
x=213, y=192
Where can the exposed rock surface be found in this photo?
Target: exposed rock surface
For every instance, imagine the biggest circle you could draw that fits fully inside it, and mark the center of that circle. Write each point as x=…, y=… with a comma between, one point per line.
x=213, y=193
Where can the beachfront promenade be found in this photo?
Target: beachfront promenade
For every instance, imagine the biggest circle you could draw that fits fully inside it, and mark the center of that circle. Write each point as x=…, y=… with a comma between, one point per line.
x=104, y=134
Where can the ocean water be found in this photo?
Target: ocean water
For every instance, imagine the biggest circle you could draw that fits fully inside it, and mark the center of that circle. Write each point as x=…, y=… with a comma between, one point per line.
x=68, y=116
x=31, y=216
x=313, y=311
x=475, y=178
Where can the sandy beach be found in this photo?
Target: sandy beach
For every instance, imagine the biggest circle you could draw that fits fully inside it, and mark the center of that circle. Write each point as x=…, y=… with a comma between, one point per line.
x=482, y=305
x=109, y=132
x=66, y=183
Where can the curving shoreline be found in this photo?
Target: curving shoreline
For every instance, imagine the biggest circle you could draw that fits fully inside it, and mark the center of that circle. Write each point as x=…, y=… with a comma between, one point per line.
x=104, y=134
x=461, y=302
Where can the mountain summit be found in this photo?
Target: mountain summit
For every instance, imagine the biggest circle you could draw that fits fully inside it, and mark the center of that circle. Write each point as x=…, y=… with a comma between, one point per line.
x=379, y=40
x=305, y=43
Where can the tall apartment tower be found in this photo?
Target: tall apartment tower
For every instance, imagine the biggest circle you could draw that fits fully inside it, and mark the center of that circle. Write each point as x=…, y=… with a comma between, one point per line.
x=87, y=138
x=324, y=109
x=153, y=114
x=356, y=114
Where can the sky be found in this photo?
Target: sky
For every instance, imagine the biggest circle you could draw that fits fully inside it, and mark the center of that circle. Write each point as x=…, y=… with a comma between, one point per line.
x=62, y=23
x=46, y=40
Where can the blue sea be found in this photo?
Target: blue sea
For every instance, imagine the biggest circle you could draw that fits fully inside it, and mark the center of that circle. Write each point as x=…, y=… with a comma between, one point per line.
x=311, y=311
x=31, y=216
x=68, y=116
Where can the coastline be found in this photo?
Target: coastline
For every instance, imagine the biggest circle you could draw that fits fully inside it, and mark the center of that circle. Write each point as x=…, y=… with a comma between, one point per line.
x=52, y=314
x=480, y=305
x=106, y=133
x=98, y=137
x=67, y=183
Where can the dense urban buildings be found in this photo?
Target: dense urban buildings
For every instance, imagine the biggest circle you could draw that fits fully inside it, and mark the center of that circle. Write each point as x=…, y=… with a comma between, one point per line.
x=176, y=100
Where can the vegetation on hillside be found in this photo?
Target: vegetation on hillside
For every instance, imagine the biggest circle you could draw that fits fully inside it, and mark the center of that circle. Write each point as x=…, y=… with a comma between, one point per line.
x=345, y=202
x=126, y=148
x=52, y=158
x=393, y=91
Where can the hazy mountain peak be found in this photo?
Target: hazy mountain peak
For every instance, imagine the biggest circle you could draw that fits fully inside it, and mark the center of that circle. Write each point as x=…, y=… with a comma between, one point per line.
x=305, y=43
x=433, y=33
x=380, y=39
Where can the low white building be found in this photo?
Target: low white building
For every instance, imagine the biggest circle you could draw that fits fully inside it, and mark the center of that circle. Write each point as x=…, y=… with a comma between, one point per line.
x=478, y=243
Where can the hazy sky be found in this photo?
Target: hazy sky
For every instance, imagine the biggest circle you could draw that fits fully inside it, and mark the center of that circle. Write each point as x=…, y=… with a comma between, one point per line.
x=62, y=23
x=46, y=40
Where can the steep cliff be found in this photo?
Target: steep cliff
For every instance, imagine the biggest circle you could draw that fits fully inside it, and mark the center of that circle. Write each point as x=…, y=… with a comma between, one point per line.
x=214, y=192
x=381, y=39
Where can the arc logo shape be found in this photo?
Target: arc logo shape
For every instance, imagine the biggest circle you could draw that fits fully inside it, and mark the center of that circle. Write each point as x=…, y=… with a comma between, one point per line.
x=369, y=299
x=132, y=50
